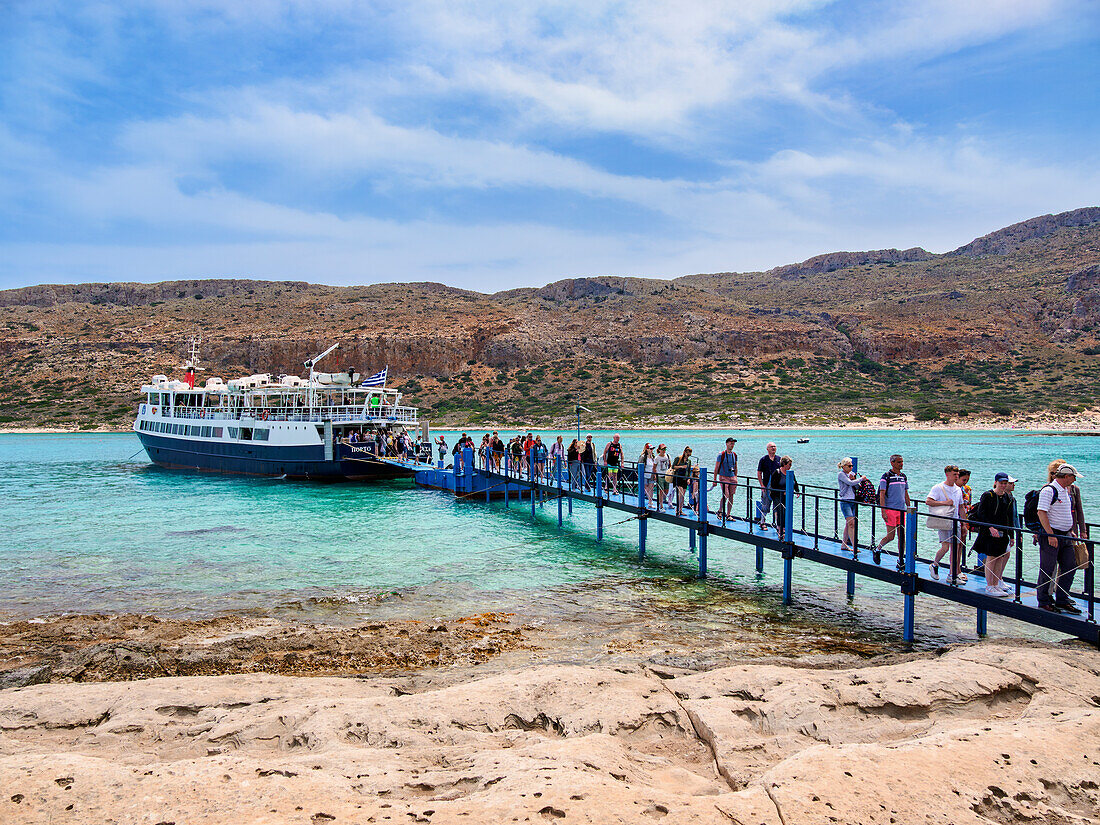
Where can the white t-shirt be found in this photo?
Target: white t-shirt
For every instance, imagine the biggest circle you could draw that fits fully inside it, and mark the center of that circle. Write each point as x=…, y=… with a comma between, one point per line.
x=941, y=492
x=1060, y=513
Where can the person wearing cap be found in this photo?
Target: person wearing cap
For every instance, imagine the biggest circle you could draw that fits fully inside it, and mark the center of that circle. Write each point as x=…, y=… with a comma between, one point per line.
x=725, y=473
x=1056, y=539
x=993, y=518
x=765, y=468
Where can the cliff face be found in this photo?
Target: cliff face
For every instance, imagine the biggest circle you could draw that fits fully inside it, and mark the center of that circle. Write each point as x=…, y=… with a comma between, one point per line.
x=867, y=322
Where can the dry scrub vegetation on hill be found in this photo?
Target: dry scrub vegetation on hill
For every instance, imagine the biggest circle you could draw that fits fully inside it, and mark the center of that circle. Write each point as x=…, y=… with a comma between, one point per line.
x=992, y=329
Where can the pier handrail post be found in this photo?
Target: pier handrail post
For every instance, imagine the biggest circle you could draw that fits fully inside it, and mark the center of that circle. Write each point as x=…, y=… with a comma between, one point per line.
x=704, y=515
x=557, y=478
x=531, y=478
x=599, y=503
x=468, y=468
x=788, y=537
x=643, y=513
x=507, y=474
x=909, y=581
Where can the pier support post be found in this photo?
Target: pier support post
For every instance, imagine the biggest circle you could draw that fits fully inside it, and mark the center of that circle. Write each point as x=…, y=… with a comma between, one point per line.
x=557, y=477
x=855, y=541
x=701, y=503
x=531, y=477
x=599, y=504
x=909, y=585
x=981, y=621
x=759, y=558
x=788, y=538
x=691, y=539
x=643, y=513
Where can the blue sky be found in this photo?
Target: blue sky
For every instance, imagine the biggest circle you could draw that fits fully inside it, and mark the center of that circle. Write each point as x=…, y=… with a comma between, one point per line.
x=492, y=145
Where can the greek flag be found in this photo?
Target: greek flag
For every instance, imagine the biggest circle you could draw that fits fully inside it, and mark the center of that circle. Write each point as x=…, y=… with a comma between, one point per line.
x=377, y=380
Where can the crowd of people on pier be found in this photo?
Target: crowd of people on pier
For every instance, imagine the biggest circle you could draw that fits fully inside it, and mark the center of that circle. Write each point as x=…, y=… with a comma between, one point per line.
x=1053, y=516
x=989, y=527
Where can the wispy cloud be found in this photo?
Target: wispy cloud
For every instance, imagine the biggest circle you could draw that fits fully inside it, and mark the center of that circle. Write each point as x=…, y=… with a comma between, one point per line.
x=491, y=144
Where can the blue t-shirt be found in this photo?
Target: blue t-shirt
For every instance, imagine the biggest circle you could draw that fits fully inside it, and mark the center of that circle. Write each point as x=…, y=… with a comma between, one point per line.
x=727, y=463
x=896, y=486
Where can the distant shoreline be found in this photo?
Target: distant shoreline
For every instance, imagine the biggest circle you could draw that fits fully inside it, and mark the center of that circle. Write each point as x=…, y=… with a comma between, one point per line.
x=1084, y=427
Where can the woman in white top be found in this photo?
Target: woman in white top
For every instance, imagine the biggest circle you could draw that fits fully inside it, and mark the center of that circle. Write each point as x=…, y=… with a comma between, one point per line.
x=647, y=465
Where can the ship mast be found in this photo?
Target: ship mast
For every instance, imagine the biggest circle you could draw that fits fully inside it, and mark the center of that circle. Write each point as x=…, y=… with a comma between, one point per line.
x=192, y=364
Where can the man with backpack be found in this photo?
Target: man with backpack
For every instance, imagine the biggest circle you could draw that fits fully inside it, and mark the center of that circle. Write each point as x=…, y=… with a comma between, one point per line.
x=893, y=501
x=613, y=459
x=725, y=473
x=1054, y=512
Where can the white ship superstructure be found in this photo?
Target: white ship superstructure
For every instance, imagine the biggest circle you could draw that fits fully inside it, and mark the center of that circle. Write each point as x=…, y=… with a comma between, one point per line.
x=322, y=426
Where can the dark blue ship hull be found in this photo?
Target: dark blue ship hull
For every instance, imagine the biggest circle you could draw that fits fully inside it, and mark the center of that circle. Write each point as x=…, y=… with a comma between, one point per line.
x=261, y=460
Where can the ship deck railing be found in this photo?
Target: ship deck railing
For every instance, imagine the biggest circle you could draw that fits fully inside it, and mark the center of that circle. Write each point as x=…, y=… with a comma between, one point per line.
x=340, y=415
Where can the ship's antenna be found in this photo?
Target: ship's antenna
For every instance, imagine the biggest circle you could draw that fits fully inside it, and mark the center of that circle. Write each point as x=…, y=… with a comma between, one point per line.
x=192, y=364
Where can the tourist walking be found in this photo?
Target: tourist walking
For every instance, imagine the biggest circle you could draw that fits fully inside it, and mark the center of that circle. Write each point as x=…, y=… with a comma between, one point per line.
x=992, y=518
x=949, y=525
x=681, y=477
x=573, y=457
x=663, y=470
x=441, y=442
x=557, y=456
x=612, y=460
x=893, y=502
x=647, y=466
x=1056, y=542
x=538, y=457
x=725, y=473
x=847, y=483
x=588, y=463
x=777, y=488
x=765, y=468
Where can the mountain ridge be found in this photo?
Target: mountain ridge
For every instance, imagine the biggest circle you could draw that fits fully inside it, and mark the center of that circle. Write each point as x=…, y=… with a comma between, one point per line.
x=884, y=333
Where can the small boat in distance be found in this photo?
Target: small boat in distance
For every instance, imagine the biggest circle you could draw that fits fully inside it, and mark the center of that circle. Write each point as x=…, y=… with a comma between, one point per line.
x=325, y=426
x=803, y=441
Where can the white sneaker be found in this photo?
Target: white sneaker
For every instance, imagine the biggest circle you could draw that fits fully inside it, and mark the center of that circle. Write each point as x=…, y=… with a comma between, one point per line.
x=934, y=571
x=996, y=592
x=1008, y=591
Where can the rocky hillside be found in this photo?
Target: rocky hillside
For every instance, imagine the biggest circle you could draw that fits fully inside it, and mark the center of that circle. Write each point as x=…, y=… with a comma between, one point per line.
x=988, y=330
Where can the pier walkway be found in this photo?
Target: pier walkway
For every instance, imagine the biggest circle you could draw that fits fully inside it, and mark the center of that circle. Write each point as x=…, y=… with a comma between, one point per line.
x=806, y=533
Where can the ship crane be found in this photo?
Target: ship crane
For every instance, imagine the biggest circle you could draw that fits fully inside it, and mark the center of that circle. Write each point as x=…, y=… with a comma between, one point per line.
x=309, y=365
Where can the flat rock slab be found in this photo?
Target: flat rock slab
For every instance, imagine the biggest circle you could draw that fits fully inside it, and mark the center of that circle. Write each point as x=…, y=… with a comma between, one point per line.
x=982, y=734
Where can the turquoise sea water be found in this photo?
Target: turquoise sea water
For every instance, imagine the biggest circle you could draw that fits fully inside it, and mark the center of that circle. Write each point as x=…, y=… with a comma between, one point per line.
x=92, y=527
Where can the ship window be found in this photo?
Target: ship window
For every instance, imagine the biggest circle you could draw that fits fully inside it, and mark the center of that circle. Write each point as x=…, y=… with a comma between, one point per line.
x=165, y=399
x=233, y=431
x=260, y=435
x=217, y=432
x=246, y=433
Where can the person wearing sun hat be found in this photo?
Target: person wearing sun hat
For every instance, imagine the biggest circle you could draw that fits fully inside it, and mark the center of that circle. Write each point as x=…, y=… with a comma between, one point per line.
x=1056, y=540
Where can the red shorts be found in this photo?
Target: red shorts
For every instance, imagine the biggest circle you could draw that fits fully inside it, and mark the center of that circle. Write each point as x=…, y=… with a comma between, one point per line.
x=892, y=517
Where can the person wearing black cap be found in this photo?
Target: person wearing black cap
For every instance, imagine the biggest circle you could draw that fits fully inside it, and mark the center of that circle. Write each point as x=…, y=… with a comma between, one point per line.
x=993, y=518
x=725, y=473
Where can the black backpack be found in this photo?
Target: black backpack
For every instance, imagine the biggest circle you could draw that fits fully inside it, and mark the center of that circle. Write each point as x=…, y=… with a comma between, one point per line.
x=1031, y=507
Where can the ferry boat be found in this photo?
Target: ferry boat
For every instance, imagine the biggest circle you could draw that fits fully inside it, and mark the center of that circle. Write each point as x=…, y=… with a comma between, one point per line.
x=321, y=427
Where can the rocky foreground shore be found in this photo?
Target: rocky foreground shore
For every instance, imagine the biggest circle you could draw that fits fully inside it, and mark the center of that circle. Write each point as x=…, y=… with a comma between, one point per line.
x=976, y=734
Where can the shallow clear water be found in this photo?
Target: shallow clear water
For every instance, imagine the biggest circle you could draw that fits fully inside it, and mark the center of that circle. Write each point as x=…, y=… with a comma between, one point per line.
x=92, y=526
